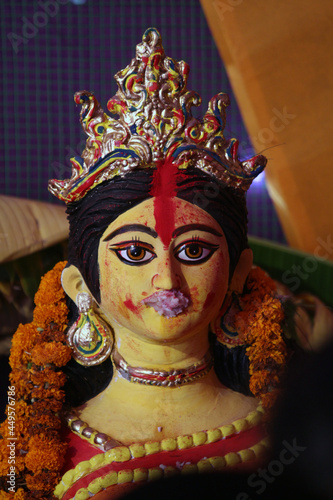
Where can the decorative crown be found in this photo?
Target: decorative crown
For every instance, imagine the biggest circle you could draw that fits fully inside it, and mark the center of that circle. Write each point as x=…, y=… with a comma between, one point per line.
x=154, y=123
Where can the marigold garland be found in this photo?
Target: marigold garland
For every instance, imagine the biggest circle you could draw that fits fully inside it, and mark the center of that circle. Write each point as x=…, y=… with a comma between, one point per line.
x=38, y=351
x=260, y=325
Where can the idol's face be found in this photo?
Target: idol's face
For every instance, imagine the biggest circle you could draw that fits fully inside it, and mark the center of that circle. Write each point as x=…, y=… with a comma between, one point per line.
x=163, y=287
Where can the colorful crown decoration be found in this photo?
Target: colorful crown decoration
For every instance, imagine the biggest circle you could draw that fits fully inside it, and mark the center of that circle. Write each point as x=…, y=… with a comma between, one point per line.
x=154, y=123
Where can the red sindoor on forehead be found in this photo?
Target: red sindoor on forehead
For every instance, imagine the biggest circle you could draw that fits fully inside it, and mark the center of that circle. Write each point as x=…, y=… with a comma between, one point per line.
x=164, y=189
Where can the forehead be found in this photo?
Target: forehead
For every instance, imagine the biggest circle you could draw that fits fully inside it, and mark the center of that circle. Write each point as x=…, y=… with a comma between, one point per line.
x=183, y=213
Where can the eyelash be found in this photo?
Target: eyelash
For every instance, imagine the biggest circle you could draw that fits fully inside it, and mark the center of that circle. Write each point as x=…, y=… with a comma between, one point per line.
x=203, y=245
x=127, y=246
x=183, y=247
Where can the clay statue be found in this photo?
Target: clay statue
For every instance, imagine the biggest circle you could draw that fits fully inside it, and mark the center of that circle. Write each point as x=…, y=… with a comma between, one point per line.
x=176, y=341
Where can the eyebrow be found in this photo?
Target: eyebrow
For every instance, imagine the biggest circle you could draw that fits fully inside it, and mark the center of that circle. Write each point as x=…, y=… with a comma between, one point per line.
x=132, y=227
x=177, y=232
x=192, y=227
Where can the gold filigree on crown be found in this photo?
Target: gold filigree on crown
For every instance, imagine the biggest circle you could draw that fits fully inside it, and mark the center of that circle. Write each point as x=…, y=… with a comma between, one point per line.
x=151, y=122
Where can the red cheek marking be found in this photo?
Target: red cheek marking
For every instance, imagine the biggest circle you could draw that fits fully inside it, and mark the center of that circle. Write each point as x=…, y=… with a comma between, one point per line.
x=209, y=299
x=164, y=188
x=129, y=304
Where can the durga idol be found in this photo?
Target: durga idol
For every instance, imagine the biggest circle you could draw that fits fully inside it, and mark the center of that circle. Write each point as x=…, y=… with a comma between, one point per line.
x=154, y=349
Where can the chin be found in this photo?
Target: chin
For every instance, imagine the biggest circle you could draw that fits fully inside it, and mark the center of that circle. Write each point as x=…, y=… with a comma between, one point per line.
x=177, y=328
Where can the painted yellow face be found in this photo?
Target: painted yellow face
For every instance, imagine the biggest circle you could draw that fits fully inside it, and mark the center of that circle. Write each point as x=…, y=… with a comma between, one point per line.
x=135, y=263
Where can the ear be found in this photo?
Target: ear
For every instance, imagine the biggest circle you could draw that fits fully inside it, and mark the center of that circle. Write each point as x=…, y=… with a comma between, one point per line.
x=72, y=282
x=241, y=271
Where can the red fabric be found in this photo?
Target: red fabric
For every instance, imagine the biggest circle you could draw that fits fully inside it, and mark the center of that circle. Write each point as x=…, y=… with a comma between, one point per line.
x=80, y=450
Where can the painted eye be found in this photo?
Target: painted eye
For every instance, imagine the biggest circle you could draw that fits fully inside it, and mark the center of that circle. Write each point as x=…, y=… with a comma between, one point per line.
x=195, y=252
x=134, y=254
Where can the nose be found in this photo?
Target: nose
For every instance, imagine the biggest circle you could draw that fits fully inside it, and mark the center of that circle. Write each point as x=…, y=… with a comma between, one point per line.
x=166, y=277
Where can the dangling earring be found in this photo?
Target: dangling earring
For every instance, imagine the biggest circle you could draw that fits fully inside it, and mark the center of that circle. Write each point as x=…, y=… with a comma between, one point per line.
x=224, y=324
x=89, y=337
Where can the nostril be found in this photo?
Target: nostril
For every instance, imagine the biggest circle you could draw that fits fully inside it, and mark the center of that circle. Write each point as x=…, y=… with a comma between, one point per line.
x=153, y=280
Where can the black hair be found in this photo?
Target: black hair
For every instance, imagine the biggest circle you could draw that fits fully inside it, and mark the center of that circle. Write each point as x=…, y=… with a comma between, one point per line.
x=90, y=217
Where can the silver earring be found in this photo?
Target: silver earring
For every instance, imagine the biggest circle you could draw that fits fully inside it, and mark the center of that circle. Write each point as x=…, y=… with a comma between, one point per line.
x=89, y=337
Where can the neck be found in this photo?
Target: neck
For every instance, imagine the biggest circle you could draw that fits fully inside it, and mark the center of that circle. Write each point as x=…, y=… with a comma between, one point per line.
x=136, y=412
x=150, y=354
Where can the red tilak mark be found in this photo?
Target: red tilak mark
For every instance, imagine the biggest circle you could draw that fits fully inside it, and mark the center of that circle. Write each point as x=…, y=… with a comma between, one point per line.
x=129, y=304
x=163, y=190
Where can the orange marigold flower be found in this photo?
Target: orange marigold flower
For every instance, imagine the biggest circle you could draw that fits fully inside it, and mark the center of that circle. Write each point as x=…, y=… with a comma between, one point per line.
x=45, y=394
x=43, y=482
x=256, y=355
x=20, y=379
x=46, y=421
x=4, y=456
x=22, y=409
x=265, y=349
x=270, y=364
x=51, y=352
x=25, y=335
x=21, y=495
x=23, y=340
x=56, y=313
x=278, y=357
x=21, y=431
x=53, y=333
x=49, y=376
x=4, y=450
x=268, y=400
x=6, y=496
x=42, y=407
x=259, y=382
x=45, y=454
x=259, y=280
x=50, y=289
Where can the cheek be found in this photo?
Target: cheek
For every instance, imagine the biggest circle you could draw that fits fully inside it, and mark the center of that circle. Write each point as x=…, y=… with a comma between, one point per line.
x=209, y=284
x=113, y=302
x=110, y=284
x=116, y=299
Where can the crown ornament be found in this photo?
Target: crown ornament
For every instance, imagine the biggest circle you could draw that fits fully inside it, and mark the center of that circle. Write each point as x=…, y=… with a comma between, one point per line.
x=151, y=122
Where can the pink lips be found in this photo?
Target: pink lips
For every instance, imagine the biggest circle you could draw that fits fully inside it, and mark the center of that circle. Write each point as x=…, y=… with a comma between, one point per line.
x=168, y=303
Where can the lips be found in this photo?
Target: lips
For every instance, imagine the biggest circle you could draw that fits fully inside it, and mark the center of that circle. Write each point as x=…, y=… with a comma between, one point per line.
x=168, y=303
